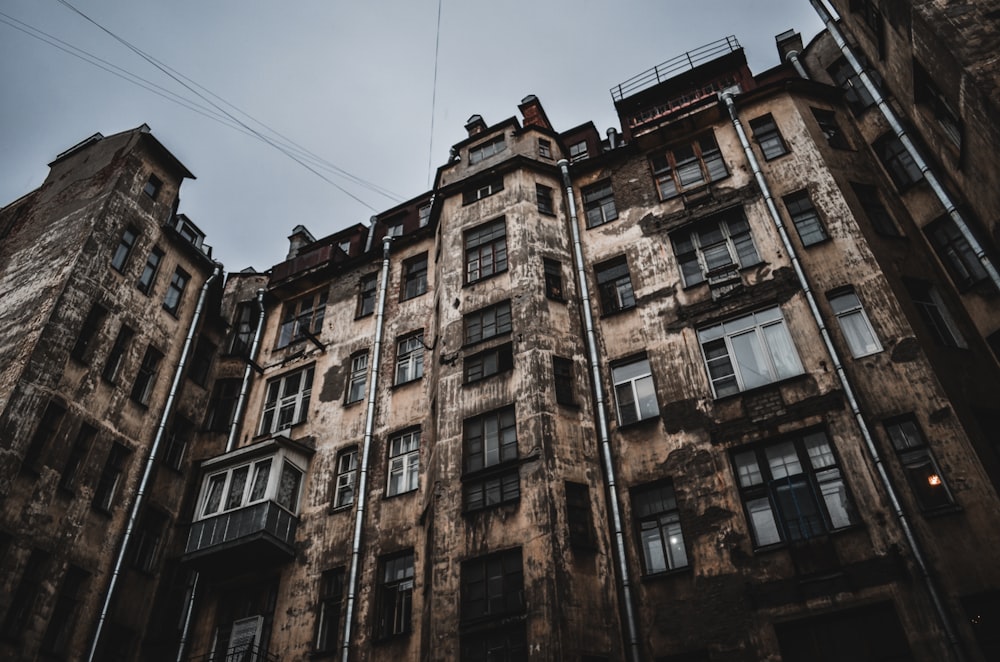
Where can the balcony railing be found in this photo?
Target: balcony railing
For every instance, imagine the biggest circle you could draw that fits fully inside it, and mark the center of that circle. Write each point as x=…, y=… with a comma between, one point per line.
x=265, y=521
x=670, y=68
x=241, y=653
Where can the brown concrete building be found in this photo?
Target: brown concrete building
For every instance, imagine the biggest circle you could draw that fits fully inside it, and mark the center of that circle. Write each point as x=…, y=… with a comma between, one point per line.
x=703, y=389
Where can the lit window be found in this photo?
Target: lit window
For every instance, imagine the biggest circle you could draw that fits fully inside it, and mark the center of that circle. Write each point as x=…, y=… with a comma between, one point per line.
x=748, y=352
x=358, y=378
x=688, y=166
x=956, y=253
x=302, y=316
x=487, y=363
x=490, y=474
x=116, y=357
x=827, y=121
x=614, y=284
x=110, y=483
x=876, y=212
x=331, y=596
x=768, y=138
x=854, y=324
x=394, y=596
x=792, y=490
x=410, y=358
x=145, y=378
x=543, y=197
x=926, y=480
x=404, y=463
x=482, y=189
x=898, y=161
x=347, y=469
x=286, y=401
x=714, y=245
x=487, y=323
x=152, y=186
x=492, y=597
x=934, y=313
x=172, y=300
x=235, y=487
x=578, y=151
x=124, y=249
x=486, y=251
x=545, y=148
x=635, y=394
x=805, y=218
x=88, y=332
x=145, y=282
x=414, y=277
x=366, y=295
x=487, y=149
x=599, y=204
x=658, y=523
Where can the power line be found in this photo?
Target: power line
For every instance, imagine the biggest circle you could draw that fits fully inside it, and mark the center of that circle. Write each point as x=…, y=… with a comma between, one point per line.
x=434, y=87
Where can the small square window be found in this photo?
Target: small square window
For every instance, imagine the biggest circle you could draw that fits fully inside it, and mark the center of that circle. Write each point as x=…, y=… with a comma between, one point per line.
x=152, y=186
x=765, y=132
x=545, y=148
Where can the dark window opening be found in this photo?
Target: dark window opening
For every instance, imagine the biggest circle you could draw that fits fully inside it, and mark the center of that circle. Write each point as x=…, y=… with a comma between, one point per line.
x=765, y=132
x=614, y=284
x=805, y=218
x=866, y=634
x=599, y=204
x=77, y=457
x=147, y=540
x=116, y=357
x=490, y=474
x=553, y=279
x=22, y=604
x=201, y=361
x=898, y=161
x=658, y=524
x=241, y=335
x=482, y=190
x=414, y=277
x=110, y=484
x=487, y=363
x=578, y=517
x=956, y=252
x=715, y=245
x=876, y=212
x=44, y=437
x=222, y=405
x=63, y=620
x=145, y=379
x=148, y=275
x=487, y=323
x=394, y=596
x=331, y=597
x=176, y=442
x=152, y=186
x=88, y=332
x=486, y=251
x=562, y=376
x=934, y=313
x=827, y=121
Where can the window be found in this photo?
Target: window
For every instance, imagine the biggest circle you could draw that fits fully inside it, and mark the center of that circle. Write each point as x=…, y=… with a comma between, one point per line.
x=487, y=363
x=145, y=379
x=358, y=378
x=189, y=232
x=222, y=405
x=856, y=94
x=286, y=401
x=148, y=275
x=394, y=230
x=543, y=196
x=366, y=295
x=545, y=148
x=854, y=324
x=599, y=204
x=302, y=317
x=805, y=218
x=926, y=92
x=424, y=216
x=492, y=595
x=553, y=279
x=124, y=249
x=414, y=277
x=487, y=323
x=490, y=465
x=176, y=442
x=934, y=313
x=578, y=519
x=152, y=186
x=483, y=189
x=404, y=463
x=172, y=300
x=717, y=244
x=768, y=138
x=898, y=161
x=289, y=486
x=235, y=487
x=201, y=361
x=487, y=149
x=827, y=121
x=241, y=336
x=876, y=212
x=562, y=376
x=635, y=394
x=926, y=480
x=347, y=467
x=394, y=595
x=44, y=435
x=956, y=253
x=792, y=489
x=146, y=542
x=112, y=367
x=872, y=18
x=60, y=628
x=869, y=633
x=88, y=332
x=658, y=523
x=486, y=250
x=112, y=475
x=748, y=352
x=578, y=151
x=688, y=166
x=345, y=247
x=615, y=286
x=410, y=358
x=22, y=603
x=331, y=597
x=77, y=456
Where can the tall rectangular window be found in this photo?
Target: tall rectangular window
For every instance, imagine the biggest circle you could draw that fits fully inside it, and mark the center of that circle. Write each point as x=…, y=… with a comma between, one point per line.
x=490, y=470
x=347, y=469
x=357, y=379
x=688, y=166
x=147, y=540
x=175, y=290
x=897, y=160
x=45, y=433
x=124, y=248
x=148, y=275
x=792, y=489
x=414, y=276
x=487, y=363
x=77, y=457
x=116, y=357
x=410, y=358
x=927, y=93
x=177, y=439
x=222, y=405
x=635, y=394
x=876, y=212
x=578, y=516
x=765, y=132
x=424, y=216
x=855, y=93
x=145, y=378
x=748, y=352
x=487, y=323
x=919, y=465
x=201, y=361
x=562, y=377
x=934, y=313
x=658, y=523
x=956, y=253
x=854, y=323
x=22, y=604
x=492, y=595
x=55, y=643
x=331, y=598
x=714, y=245
x=614, y=284
x=486, y=250
x=553, y=279
x=599, y=204
x=487, y=149
x=301, y=317
x=830, y=128
x=805, y=218
x=241, y=335
x=543, y=198
x=110, y=484
x=404, y=463
x=366, y=295
x=88, y=332
x=286, y=401
x=545, y=148
x=394, y=595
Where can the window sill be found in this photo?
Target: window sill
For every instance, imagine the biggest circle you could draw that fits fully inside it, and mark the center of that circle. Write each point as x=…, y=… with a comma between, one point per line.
x=762, y=387
x=470, y=283
x=322, y=655
x=942, y=511
x=172, y=313
x=667, y=574
x=492, y=506
x=408, y=382
x=642, y=422
x=556, y=299
x=787, y=545
x=400, y=494
x=101, y=511
x=353, y=403
x=615, y=313
x=356, y=317
x=484, y=378
x=415, y=296
x=346, y=508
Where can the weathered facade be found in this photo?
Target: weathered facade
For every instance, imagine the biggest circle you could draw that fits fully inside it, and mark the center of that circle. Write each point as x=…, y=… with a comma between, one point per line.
x=704, y=389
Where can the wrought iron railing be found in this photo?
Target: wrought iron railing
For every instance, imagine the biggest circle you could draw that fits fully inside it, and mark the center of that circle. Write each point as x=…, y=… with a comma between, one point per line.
x=674, y=66
x=240, y=653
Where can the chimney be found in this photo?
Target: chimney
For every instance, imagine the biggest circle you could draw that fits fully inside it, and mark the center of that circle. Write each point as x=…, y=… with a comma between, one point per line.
x=533, y=113
x=787, y=42
x=299, y=238
x=475, y=125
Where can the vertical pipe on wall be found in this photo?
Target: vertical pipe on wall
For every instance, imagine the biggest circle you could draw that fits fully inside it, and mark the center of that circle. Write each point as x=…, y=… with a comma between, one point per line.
x=235, y=424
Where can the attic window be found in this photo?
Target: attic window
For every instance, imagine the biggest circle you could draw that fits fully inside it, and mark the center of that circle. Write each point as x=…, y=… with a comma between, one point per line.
x=487, y=149
x=152, y=186
x=189, y=232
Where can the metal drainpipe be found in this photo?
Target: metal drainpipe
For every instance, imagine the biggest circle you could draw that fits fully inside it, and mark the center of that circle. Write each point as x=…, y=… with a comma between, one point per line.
x=897, y=127
x=371, y=233
x=873, y=452
x=602, y=420
x=234, y=427
x=150, y=463
x=352, y=586
x=793, y=57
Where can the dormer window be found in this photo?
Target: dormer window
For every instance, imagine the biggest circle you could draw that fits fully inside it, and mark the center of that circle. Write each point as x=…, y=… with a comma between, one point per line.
x=189, y=231
x=487, y=149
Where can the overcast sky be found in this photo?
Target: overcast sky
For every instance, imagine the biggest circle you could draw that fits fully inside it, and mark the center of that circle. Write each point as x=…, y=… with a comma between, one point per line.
x=352, y=82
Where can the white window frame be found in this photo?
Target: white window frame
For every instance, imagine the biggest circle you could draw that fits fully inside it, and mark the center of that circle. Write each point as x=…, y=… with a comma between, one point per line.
x=347, y=472
x=278, y=400
x=410, y=358
x=734, y=238
x=634, y=388
x=209, y=507
x=491, y=147
x=854, y=323
x=358, y=378
x=404, y=463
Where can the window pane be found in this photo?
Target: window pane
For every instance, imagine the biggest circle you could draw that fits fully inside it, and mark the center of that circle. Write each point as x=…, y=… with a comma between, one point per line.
x=765, y=531
x=783, y=354
x=236, y=487
x=261, y=472
x=750, y=360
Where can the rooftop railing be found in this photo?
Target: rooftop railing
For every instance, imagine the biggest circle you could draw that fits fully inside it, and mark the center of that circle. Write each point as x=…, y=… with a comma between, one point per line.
x=675, y=66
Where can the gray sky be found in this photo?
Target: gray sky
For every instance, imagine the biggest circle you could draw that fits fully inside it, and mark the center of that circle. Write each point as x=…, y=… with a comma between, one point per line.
x=351, y=82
